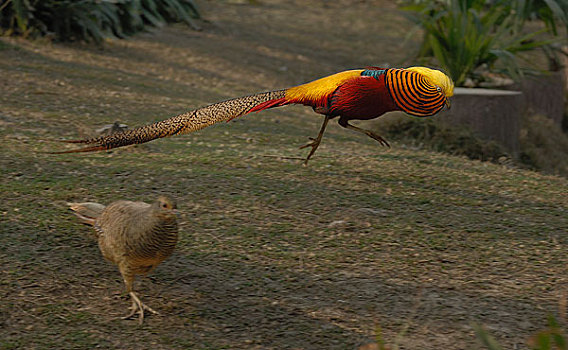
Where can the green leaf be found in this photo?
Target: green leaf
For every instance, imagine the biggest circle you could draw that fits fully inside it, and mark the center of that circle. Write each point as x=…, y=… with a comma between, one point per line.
x=93, y=19
x=486, y=339
x=463, y=35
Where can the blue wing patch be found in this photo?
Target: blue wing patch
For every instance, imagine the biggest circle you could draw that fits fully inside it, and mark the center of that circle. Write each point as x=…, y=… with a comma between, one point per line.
x=375, y=73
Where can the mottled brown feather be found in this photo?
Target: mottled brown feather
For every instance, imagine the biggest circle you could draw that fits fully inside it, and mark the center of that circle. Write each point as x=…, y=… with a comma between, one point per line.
x=135, y=236
x=179, y=124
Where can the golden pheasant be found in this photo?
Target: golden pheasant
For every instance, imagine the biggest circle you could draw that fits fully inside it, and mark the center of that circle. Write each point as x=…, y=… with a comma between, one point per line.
x=359, y=94
x=135, y=236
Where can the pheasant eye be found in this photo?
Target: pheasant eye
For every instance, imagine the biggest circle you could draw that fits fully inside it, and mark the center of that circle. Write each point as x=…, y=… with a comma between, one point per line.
x=439, y=89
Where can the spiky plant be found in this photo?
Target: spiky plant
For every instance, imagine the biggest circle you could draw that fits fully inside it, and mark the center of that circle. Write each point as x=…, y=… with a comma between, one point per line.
x=91, y=20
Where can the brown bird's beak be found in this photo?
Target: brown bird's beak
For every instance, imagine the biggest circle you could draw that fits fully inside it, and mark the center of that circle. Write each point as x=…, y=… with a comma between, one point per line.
x=448, y=104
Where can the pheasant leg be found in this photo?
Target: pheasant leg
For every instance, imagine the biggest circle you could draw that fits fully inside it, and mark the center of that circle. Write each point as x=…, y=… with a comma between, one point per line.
x=345, y=123
x=316, y=142
x=138, y=307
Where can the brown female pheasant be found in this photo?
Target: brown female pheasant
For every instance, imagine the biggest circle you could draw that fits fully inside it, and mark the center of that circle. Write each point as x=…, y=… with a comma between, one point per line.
x=135, y=236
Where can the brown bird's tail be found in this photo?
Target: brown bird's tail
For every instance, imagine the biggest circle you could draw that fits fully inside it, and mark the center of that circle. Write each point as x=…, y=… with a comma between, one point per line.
x=183, y=123
x=87, y=212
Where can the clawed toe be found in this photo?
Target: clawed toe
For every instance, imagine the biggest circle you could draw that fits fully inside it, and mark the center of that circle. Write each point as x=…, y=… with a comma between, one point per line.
x=344, y=123
x=383, y=142
x=378, y=138
x=138, y=307
x=314, y=144
x=133, y=309
x=315, y=141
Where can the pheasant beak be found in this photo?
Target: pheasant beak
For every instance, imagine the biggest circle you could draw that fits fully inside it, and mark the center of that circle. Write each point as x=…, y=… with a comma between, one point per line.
x=448, y=104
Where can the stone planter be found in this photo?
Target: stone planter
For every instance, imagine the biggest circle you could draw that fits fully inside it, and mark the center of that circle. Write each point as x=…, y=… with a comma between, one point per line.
x=492, y=114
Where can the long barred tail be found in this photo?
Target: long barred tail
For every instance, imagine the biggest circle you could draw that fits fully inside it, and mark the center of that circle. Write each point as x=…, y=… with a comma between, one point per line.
x=184, y=123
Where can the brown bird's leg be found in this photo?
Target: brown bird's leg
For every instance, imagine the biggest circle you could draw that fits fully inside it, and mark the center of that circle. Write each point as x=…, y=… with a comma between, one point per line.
x=316, y=142
x=344, y=122
x=137, y=305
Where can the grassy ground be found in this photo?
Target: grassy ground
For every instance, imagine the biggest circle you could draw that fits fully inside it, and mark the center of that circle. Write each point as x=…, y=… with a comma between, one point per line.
x=273, y=255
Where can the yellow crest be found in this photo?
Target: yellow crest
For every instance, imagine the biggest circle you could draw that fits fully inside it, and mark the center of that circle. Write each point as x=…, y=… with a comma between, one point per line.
x=437, y=78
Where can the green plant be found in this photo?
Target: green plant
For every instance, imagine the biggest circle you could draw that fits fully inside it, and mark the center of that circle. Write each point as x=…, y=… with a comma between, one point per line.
x=486, y=339
x=91, y=20
x=550, y=338
x=464, y=35
x=548, y=11
x=553, y=13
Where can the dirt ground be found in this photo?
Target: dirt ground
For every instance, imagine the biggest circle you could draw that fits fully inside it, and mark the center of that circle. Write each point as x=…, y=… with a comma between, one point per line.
x=412, y=246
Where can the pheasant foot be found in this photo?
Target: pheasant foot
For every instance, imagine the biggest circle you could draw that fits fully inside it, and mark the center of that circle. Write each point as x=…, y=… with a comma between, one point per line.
x=138, y=307
x=315, y=141
x=344, y=122
x=314, y=144
x=377, y=137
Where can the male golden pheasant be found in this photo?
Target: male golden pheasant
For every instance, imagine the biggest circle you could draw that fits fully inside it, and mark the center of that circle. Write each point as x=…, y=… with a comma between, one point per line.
x=135, y=236
x=359, y=94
